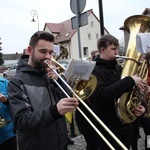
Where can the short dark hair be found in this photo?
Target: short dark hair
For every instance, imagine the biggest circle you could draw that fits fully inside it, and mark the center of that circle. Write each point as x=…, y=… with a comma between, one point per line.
x=106, y=40
x=40, y=35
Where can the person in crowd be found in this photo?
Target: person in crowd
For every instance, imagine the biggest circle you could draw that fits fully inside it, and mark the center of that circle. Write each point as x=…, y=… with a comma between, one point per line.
x=7, y=136
x=109, y=89
x=94, y=54
x=37, y=103
x=143, y=121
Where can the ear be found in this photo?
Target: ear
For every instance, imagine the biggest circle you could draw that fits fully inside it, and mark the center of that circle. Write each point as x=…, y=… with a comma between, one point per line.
x=29, y=50
x=102, y=49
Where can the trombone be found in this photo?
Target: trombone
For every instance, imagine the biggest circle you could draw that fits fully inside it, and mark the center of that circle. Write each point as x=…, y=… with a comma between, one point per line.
x=86, y=106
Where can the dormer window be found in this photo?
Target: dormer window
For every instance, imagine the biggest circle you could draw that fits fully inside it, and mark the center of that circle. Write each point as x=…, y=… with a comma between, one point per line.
x=58, y=36
x=67, y=34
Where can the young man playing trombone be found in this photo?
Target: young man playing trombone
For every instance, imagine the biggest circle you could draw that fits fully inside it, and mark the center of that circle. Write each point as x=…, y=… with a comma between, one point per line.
x=37, y=104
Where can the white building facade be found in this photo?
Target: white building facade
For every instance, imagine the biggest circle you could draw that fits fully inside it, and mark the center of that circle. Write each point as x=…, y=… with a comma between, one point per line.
x=68, y=37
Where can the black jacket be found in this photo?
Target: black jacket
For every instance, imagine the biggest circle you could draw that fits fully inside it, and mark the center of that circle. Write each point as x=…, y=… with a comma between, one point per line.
x=109, y=89
x=33, y=97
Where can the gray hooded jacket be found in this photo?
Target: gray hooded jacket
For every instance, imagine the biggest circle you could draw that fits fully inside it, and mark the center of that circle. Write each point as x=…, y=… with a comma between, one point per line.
x=33, y=97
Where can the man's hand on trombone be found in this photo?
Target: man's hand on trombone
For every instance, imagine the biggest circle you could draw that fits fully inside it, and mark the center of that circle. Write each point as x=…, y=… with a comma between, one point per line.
x=67, y=105
x=50, y=73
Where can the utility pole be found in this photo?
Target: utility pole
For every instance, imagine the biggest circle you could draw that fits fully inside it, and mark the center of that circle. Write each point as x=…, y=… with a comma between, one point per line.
x=77, y=6
x=101, y=17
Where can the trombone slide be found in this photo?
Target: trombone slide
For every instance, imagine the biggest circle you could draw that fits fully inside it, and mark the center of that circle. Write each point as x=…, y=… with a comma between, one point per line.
x=92, y=113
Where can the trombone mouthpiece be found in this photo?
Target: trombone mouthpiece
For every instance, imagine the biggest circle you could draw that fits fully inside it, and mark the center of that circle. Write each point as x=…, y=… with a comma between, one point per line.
x=117, y=56
x=46, y=64
x=123, y=57
x=45, y=61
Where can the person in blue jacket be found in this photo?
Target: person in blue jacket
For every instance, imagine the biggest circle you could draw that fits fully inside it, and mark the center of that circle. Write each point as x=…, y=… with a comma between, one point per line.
x=7, y=135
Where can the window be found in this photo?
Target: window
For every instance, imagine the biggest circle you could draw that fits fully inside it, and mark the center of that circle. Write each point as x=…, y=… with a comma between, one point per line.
x=85, y=51
x=147, y=13
x=92, y=24
x=89, y=36
x=97, y=36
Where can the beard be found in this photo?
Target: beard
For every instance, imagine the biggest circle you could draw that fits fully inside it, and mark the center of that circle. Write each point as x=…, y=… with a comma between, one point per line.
x=41, y=64
x=38, y=63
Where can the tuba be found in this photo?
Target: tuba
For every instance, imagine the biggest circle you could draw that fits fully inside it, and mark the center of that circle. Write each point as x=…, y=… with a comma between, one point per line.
x=133, y=65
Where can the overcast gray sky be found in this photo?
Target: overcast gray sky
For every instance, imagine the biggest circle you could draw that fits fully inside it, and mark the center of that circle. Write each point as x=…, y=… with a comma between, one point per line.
x=16, y=27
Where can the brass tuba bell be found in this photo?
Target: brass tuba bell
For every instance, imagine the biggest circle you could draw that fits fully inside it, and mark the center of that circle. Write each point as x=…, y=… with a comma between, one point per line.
x=125, y=104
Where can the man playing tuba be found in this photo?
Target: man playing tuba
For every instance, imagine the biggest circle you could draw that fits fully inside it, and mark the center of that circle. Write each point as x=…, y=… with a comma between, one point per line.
x=109, y=88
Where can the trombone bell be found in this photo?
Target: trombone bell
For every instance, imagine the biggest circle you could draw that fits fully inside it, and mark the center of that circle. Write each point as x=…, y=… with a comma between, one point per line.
x=85, y=88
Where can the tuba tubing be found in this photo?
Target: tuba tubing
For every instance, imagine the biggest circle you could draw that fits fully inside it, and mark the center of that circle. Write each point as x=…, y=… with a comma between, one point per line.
x=127, y=58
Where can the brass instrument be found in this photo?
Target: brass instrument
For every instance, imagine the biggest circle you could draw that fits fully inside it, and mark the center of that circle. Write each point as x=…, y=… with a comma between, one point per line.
x=132, y=66
x=84, y=89
x=63, y=52
x=58, y=65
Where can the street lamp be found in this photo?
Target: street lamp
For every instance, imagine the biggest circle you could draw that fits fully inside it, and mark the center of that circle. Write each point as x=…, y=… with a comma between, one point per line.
x=33, y=14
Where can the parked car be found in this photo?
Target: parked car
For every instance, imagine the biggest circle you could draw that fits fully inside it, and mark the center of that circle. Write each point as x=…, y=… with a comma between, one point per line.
x=10, y=72
x=64, y=63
